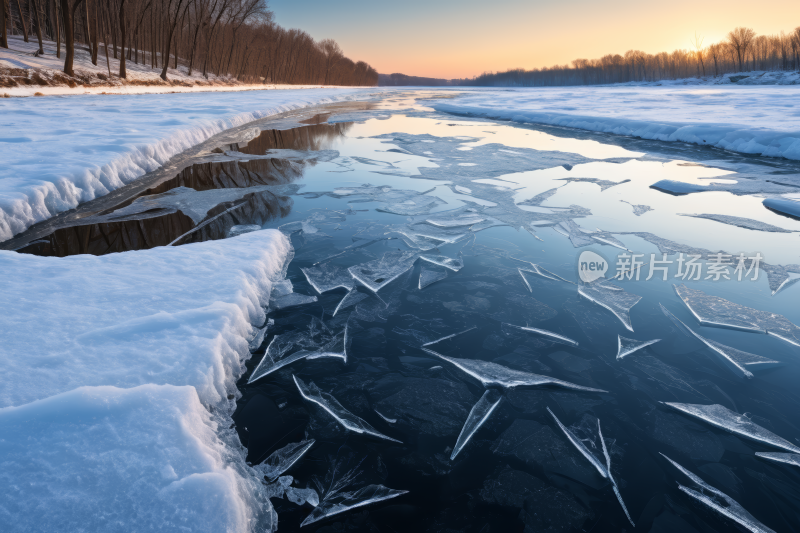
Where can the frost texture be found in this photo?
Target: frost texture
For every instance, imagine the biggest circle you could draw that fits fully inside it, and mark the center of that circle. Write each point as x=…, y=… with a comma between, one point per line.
x=331, y=405
x=723, y=418
x=543, y=332
x=719, y=501
x=788, y=458
x=612, y=298
x=282, y=460
x=629, y=346
x=479, y=414
x=429, y=277
x=378, y=273
x=344, y=501
x=327, y=277
x=715, y=311
x=737, y=359
x=494, y=375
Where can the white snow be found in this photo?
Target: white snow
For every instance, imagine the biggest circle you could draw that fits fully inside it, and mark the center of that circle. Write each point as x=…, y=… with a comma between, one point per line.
x=58, y=152
x=111, y=366
x=751, y=120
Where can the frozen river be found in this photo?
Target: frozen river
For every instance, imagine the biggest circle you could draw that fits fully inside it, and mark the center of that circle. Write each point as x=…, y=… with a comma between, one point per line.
x=424, y=315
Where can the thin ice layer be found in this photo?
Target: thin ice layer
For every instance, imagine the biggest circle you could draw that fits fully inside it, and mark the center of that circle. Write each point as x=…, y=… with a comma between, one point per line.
x=629, y=346
x=327, y=277
x=331, y=405
x=442, y=260
x=737, y=359
x=612, y=298
x=545, y=333
x=378, y=273
x=346, y=501
x=494, y=375
x=723, y=418
x=479, y=414
x=788, y=458
x=429, y=277
x=283, y=459
x=719, y=501
x=715, y=311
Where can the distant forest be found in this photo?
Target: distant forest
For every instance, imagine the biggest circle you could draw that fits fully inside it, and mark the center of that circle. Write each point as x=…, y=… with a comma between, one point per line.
x=741, y=51
x=228, y=38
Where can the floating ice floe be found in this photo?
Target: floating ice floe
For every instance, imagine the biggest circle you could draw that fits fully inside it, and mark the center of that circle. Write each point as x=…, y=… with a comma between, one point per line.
x=788, y=458
x=442, y=260
x=341, y=502
x=455, y=222
x=378, y=273
x=300, y=496
x=737, y=359
x=783, y=206
x=283, y=296
x=723, y=418
x=719, y=501
x=327, y=277
x=543, y=332
x=628, y=346
x=613, y=298
x=331, y=405
x=429, y=277
x=282, y=460
x=479, y=414
x=741, y=222
x=494, y=375
x=350, y=299
x=715, y=311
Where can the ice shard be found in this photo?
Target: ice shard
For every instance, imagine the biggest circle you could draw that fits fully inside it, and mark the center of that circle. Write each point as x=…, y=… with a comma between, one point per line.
x=719, y=501
x=788, y=458
x=327, y=277
x=442, y=260
x=350, y=299
x=610, y=476
x=341, y=502
x=386, y=418
x=581, y=447
x=715, y=311
x=479, y=414
x=738, y=360
x=543, y=332
x=449, y=336
x=331, y=405
x=276, y=356
x=282, y=460
x=612, y=298
x=454, y=222
x=429, y=277
x=291, y=300
x=378, y=273
x=628, y=346
x=541, y=272
x=723, y=418
x=494, y=375
x=301, y=496
x=258, y=336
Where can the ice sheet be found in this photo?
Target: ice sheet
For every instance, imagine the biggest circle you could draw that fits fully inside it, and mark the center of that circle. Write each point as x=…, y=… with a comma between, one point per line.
x=628, y=346
x=723, y=418
x=283, y=459
x=719, y=501
x=494, y=375
x=348, y=420
x=442, y=260
x=429, y=277
x=479, y=414
x=326, y=277
x=378, y=273
x=612, y=298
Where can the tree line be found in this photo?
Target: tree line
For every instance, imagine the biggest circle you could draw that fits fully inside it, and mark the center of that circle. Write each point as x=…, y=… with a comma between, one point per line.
x=741, y=51
x=227, y=38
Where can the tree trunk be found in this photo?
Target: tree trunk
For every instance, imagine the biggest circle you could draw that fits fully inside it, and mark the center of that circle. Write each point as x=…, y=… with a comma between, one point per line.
x=95, y=40
x=56, y=19
x=68, y=12
x=194, y=47
x=169, y=39
x=5, y=16
x=123, y=73
x=34, y=4
x=22, y=20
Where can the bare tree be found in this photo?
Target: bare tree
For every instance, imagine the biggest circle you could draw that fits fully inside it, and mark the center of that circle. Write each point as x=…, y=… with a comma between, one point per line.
x=5, y=15
x=740, y=40
x=333, y=54
x=68, y=8
x=698, y=46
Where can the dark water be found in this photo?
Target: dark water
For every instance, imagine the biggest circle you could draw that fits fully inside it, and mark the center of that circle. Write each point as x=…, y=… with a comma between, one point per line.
x=530, y=189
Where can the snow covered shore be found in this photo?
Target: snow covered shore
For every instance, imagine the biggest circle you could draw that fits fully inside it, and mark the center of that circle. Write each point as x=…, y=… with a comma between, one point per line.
x=111, y=366
x=58, y=152
x=751, y=120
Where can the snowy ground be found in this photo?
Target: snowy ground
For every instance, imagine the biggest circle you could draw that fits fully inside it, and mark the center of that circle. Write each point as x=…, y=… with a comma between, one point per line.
x=58, y=152
x=751, y=120
x=107, y=365
x=756, y=77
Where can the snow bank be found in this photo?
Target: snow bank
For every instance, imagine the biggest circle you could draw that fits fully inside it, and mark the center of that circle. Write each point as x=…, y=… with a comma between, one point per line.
x=57, y=152
x=750, y=120
x=110, y=459
x=171, y=315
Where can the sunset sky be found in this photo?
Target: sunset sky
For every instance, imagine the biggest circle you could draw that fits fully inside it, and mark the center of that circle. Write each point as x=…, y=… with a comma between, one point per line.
x=463, y=38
